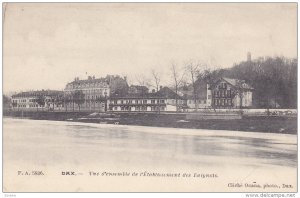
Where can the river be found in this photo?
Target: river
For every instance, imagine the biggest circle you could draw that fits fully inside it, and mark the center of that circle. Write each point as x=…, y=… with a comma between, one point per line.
x=230, y=157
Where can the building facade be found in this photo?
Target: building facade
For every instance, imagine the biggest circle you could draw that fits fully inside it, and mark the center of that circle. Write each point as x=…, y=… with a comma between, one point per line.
x=200, y=98
x=163, y=100
x=93, y=93
x=231, y=93
x=89, y=94
x=49, y=100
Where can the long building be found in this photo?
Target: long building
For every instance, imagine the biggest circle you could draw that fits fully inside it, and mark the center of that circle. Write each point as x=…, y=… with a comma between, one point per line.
x=38, y=100
x=163, y=100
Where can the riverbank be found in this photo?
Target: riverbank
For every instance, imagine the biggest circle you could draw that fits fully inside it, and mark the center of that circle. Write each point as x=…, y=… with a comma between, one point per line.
x=268, y=124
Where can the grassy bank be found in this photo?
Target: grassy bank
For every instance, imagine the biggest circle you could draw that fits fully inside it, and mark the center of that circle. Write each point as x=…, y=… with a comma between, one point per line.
x=272, y=124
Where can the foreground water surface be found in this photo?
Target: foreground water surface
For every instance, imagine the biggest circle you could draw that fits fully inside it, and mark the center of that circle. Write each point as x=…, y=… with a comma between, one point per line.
x=55, y=146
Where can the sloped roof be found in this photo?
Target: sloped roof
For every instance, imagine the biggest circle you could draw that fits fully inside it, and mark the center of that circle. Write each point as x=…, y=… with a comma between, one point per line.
x=38, y=93
x=164, y=92
x=236, y=83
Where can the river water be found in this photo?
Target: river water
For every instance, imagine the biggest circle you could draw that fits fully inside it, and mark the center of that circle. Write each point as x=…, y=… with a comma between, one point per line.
x=54, y=147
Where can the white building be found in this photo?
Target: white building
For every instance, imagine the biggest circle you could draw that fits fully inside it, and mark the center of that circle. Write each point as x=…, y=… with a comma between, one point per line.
x=163, y=100
x=38, y=100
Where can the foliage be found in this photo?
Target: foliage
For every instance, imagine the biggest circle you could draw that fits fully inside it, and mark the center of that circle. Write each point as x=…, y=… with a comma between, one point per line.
x=78, y=97
x=274, y=80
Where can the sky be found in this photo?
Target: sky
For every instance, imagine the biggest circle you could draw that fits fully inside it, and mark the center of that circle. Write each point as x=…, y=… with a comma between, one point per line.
x=47, y=45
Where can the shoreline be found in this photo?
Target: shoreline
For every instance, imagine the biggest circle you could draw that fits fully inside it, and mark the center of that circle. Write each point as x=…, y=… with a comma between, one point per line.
x=281, y=125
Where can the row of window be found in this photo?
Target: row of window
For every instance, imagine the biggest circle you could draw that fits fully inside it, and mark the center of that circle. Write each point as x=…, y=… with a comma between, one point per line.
x=222, y=93
x=142, y=108
x=90, y=91
x=198, y=101
x=95, y=97
x=30, y=105
x=22, y=100
x=222, y=85
x=137, y=102
x=223, y=102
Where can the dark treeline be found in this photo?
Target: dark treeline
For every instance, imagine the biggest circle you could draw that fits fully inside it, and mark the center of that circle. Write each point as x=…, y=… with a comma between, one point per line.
x=274, y=80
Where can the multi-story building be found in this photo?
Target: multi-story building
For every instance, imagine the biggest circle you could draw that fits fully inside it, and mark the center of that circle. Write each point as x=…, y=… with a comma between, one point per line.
x=198, y=98
x=38, y=100
x=231, y=93
x=163, y=100
x=92, y=94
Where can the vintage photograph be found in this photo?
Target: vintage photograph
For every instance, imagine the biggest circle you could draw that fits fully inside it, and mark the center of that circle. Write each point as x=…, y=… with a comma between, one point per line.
x=150, y=97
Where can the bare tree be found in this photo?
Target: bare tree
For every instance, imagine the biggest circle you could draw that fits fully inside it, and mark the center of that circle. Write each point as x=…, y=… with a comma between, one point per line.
x=194, y=73
x=142, y=80
x=178, y=78
x=157, y=78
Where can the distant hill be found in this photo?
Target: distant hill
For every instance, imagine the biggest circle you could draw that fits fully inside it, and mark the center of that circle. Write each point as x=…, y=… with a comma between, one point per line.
x=274, y=80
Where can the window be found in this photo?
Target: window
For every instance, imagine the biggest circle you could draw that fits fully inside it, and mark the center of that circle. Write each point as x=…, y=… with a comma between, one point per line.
x=122, y=101
x=115, y=108
x=229, y=102
x=115, y=101
x=136, y=101
x=152, y=101
x=228, y=93
x=144, y=101
x=162, y=101
x=162, y=108
x=122, y=108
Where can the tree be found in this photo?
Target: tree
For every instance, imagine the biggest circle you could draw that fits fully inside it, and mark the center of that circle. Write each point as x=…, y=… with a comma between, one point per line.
x=101, y=100
x=156, y=78
x=142, y=80
x=7, y=102
x=40, y=101
x=58, y=100
x=194, y=71
x=274, y=80
x=78, y=98
x=67, y=99
x=178, y=78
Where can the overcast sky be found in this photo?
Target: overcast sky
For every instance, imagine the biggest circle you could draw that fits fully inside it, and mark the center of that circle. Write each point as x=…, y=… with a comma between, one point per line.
x=47, y=45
